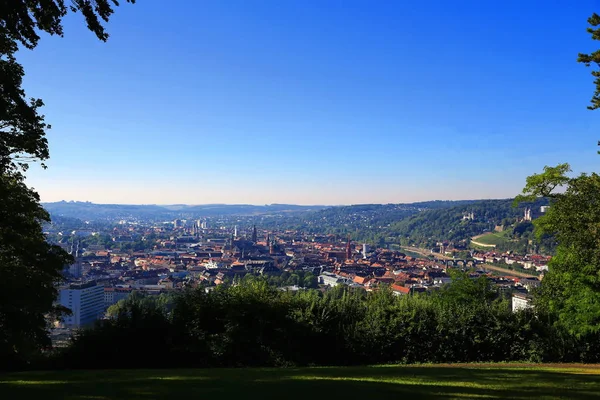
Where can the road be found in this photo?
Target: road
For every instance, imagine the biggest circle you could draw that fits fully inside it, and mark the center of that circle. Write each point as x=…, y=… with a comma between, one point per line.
x=507, y=272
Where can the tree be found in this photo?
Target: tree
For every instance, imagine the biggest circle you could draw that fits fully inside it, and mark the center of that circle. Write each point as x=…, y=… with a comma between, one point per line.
x=30, y=268
x=294, y=279
x=593, y=58
x=464, y=290
x=22, y=128
x=543, y=185
x=310, y=281
x=571, y=288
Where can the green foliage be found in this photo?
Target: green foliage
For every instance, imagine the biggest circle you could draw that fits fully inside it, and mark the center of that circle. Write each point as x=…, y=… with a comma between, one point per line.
x=22, y=20
x=29, y=266
x=493, y=238
x=310, y=281
x=254, y=324
x=22, y=128
x=367, y=223
x=431, y=226
x=137, y=300
x=30, y=269
x=543, y=185
x=593, y=58
x=571, y=288
x=137, y=331
x=467, y=291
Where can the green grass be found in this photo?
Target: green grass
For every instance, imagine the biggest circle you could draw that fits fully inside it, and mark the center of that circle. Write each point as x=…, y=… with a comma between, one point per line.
x=493, y=381
x=493, y=238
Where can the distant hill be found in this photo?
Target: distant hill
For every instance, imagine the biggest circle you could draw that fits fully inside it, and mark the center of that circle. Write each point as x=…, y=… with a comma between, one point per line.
x=421, y=224
x=460, y=222
x=93, y=211
x=362, y=222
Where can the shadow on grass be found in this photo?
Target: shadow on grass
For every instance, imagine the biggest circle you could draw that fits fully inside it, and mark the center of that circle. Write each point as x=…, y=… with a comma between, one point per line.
x=303, y=383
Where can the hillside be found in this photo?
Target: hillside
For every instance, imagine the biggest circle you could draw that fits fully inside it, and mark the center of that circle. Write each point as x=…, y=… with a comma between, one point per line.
x=492, y=381
x=461, y=222
x=492, y=239
x=420, y=224
x=363, y=222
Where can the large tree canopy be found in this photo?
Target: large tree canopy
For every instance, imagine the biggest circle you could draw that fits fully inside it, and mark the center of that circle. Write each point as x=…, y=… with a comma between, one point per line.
x=571, y=288
x=30, y=268
x=21, y=19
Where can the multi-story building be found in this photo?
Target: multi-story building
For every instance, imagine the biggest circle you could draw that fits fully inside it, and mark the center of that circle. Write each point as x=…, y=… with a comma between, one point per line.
x=86, y=302
x=520, y=301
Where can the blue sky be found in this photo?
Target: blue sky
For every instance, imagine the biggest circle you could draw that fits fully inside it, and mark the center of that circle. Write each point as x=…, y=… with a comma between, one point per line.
x=314, y=102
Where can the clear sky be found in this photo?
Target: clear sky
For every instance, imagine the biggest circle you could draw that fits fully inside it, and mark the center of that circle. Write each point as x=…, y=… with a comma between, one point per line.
x=314, y=102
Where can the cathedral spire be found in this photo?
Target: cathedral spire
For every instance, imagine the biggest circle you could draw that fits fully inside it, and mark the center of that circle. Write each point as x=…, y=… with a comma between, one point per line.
x=348, y=250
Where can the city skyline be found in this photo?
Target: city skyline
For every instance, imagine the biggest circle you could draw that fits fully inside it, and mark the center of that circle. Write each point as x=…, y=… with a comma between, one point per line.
x=304, y=104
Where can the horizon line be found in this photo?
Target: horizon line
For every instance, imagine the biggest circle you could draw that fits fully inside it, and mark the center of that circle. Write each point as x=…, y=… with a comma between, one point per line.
x=264, y=204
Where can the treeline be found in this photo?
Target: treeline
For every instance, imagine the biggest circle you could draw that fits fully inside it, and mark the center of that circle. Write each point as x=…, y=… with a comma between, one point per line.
x=254, y=324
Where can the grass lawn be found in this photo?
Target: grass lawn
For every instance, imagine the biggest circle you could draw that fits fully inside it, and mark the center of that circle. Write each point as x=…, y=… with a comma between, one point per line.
x=492, y=381
x=493, y=238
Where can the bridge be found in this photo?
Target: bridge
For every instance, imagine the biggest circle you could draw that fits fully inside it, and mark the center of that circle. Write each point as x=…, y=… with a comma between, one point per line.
x=456, y=263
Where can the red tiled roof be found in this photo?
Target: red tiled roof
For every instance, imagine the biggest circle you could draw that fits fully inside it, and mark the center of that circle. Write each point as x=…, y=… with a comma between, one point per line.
x=401, y=289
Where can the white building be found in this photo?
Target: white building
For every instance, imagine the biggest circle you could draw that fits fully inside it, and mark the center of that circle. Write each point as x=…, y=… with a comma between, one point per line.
x=442, y=280
x=330, y=279
x=86, y=302
x=520, y=301
x=529, y=283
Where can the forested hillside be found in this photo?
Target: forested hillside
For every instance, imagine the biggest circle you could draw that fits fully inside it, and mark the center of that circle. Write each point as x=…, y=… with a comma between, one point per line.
x=460, y=222
x=363, y=222
x=421, y=224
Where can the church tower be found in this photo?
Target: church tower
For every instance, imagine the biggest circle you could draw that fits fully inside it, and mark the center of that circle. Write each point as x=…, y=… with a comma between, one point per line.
x=254, y=235
x=348, y=250
x=271, y=246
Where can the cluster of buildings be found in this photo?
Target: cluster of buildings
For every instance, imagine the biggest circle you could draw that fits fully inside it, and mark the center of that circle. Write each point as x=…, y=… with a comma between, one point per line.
x=534, y=262
x=184, y=255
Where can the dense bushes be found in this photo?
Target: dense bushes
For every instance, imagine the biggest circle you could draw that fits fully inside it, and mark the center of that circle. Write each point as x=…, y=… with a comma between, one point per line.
x=254, y=324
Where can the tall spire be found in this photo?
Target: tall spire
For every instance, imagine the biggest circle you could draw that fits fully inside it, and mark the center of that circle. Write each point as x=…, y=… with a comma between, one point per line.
x=271, y=244
x=348, y=250
x=254, y=235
